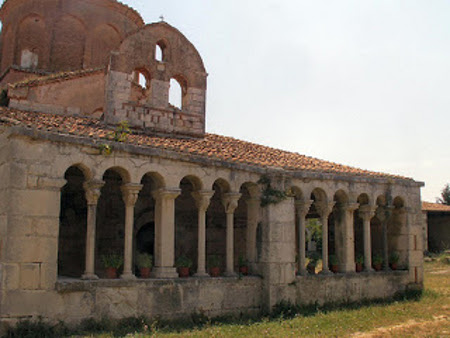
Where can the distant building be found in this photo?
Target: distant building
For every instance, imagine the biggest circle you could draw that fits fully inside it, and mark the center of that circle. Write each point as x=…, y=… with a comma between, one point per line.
x=436, y=226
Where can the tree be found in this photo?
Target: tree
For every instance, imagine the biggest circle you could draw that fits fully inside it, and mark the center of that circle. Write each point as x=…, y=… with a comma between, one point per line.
x=445, y=195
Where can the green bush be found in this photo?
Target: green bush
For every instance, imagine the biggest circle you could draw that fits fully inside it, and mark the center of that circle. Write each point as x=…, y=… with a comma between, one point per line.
x=112, y=260
x=144, y=260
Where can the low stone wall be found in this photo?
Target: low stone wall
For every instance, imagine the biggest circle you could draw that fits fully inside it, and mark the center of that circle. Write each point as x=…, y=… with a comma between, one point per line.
x=354, y=287
x=75, y=300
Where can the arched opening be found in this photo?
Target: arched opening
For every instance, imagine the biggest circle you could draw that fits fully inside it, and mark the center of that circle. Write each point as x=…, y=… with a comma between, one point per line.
x=186, y=223
x=144, y=219
x=140, y=87
x=160, y=51
x=110, y=220
x=216, y=226
x=177, y=92
x=338, y=236
x=104, y=39
x=72, y=225
x=397, y=233
x=363, y=200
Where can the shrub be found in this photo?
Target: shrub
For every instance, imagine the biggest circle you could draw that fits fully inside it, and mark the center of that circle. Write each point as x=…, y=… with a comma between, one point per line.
x=144, y=260
x=112, y=260
x=183, y=262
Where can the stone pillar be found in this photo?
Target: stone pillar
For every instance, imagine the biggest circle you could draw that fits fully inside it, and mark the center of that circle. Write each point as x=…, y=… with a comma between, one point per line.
x=202, y=200
x=230, y=202
x=165, y=233
x=348, y=251
x=324, y=209
x=367, y=212
x=130, y=194
x=92, y=189
x=252, y=226
x=302, y=208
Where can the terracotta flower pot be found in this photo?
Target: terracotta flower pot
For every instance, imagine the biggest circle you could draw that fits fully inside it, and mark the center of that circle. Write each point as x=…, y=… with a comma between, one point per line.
x=335, y=268
x=359, y=267
x=214, y=272
x=145, y=272
x=377, y=267
x=394, y=266
x=243, y=270
x=111, y=273
x=183, y=272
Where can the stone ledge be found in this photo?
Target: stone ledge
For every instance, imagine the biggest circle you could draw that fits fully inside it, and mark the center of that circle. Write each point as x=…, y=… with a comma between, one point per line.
x=77, y=285
x=358, y=275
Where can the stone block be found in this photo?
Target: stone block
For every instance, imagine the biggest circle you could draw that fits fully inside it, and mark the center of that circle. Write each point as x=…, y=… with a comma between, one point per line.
x=30, y=276
x=35, y=202
x=10, y=276
x=31, y=249
x=117, y=302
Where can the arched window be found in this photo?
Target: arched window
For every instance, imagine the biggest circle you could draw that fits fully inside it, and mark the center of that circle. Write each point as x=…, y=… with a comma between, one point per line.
x=177, y=92
x=160, y=51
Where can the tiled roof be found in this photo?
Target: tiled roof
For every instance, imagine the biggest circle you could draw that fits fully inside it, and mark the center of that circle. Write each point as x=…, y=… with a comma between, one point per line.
x=210, y=146
x=437, y=207
x=56, y=77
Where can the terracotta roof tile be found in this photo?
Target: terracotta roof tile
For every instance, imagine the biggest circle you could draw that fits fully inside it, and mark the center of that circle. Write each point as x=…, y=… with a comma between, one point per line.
x=210, y=146
x=427, y=206
x=56, y=77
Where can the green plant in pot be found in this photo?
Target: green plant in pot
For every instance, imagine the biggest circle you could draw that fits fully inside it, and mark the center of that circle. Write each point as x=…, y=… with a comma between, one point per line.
x=144, y=262
x=334, y=267
x=112, y=262
x=183, y=264
x=214, y=265
x=243, y=265
x=359, y=263
x=377, y=262
x=394, y=257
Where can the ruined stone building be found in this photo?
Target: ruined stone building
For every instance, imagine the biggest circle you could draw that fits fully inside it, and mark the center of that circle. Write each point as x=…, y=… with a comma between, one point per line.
x=74, y=188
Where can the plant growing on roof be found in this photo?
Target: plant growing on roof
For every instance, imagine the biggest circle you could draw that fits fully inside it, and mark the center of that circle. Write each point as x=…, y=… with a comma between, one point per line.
x=269, y=194
x=121, y=132
x=105, y=149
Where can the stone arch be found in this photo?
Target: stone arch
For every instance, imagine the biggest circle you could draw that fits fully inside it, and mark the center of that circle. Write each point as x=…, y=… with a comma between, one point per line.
x=338, y=229
x=68, y=46
x=72, y=224
x=110, y=217
x=141, y=85
x=104, y=39
x=32, y=42
x=164, y=50
x=397, y=230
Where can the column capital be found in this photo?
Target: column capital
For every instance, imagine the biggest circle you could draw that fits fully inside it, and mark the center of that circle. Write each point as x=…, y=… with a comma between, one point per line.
x=202, y=198
x=367, y=212
x=384, y=212
x=92, y=190
x=230, y=201
x=324, y=209
x=130, y=193
x=350, y=207
x=303, y=207
x=166, y=194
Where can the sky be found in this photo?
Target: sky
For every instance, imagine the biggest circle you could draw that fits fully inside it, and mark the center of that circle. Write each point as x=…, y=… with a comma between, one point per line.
x=362, y=83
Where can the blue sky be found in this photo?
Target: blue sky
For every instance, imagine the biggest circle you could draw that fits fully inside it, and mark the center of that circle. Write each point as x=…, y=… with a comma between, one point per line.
x=363, y=83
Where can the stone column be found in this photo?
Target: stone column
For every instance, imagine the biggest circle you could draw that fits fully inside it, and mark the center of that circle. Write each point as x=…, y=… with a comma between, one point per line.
x=348, y=250
x=230, y=202
x=165, y=233
x=130, y=194
x=92, y=190
x=324, y=209
x=302, y=210
x=253, y=205
x=202, y=200
x=367, y=212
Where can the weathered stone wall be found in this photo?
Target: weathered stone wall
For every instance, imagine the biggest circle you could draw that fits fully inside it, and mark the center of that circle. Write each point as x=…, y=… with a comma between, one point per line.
x=438, y=231
x=64, y=34
x=79, y=96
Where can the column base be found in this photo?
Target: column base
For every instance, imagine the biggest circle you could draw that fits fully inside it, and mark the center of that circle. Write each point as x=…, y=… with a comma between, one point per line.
x=325, y=272
x=89, y=276
x=230, y=274
x=128, y=276
x=369, y=270
x=201, y=274
x=164, y=272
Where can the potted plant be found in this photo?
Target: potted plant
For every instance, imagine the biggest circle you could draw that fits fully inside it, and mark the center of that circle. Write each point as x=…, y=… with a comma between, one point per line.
x=333, y=263
x=183, y=264
x=112, y=262
x=394, y=257
x=243, y=266
x=359, y=263
x=213, y=264
x=377, y=262
x=144, y=262
x=312, y=264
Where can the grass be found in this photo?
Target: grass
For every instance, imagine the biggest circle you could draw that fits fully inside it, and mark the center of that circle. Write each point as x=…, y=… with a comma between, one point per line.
x=425, y=316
